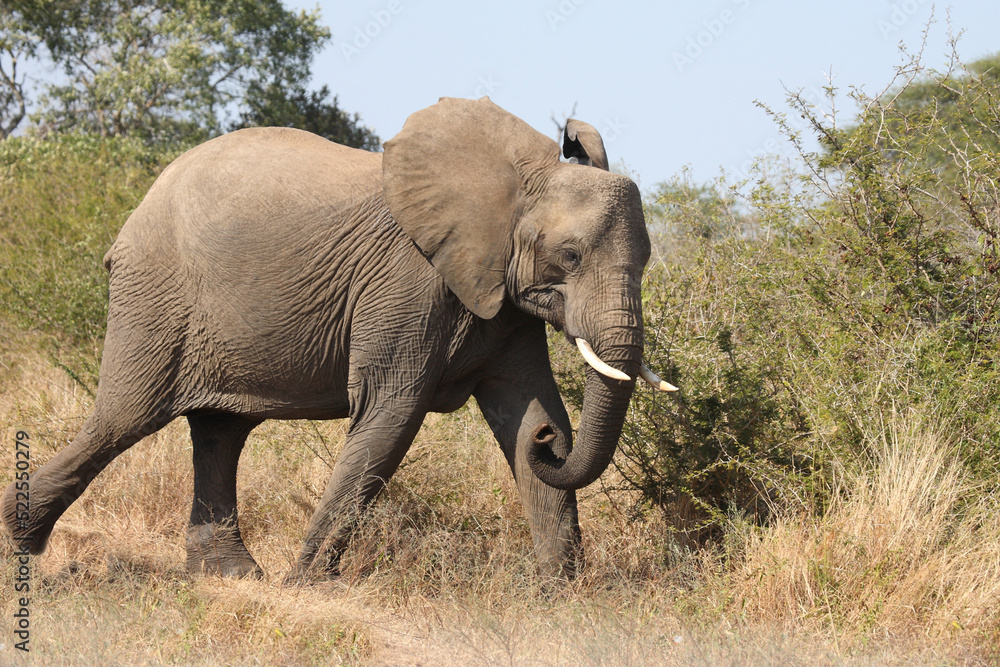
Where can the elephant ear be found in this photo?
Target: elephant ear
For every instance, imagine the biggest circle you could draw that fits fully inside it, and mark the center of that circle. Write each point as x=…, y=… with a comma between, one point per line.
x=455, y=180
x=583, y=142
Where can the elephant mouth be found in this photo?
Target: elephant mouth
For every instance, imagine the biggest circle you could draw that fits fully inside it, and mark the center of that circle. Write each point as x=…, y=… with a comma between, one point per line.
x=550, y=303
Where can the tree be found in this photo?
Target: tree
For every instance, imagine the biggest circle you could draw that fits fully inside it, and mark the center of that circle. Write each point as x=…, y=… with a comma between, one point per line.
x=966, y=103
x=944, y=117
x=917, y=174
x=162, y=69
x=281, y=106
x=15, y=45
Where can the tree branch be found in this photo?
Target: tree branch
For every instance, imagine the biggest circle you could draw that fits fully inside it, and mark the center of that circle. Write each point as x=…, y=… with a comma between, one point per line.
x=16, y=93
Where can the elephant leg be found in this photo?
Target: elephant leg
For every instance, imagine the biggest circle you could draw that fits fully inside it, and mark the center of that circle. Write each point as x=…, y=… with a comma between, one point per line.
x=522, y=404
x=552, y=513
x=57, y=484
x=375, y=446
x=135, y=398
x=214, y=544
x=552, y=516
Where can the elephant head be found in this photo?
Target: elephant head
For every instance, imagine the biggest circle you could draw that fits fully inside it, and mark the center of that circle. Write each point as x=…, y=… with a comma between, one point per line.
x=488, y=202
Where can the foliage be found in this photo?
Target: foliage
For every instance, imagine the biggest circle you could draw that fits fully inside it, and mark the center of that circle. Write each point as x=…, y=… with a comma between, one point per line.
x=796, y=309
x=15, y=46
x=162, y=70
x=917, y=194
x=913, y=219
x=963, y=100
x=62, y=201
x=281, y=106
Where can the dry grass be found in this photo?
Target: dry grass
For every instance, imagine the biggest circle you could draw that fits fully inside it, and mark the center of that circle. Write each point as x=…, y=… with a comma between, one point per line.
x=902, y=567
x=911, y=547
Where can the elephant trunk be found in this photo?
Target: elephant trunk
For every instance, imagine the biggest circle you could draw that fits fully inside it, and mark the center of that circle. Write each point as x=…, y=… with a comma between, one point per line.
x=605, y=403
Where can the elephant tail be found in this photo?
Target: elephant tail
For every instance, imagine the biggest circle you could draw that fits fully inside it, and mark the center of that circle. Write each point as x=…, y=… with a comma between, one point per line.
x=109, y=256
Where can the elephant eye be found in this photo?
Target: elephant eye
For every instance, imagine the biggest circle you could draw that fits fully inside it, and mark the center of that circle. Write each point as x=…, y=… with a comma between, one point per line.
x=571, y=257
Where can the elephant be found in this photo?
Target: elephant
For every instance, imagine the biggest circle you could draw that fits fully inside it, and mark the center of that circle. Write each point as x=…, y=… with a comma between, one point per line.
x=271, y=274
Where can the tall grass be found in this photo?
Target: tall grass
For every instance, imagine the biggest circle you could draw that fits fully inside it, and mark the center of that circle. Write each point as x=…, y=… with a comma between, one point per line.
x=911, y=542
x=902, y=564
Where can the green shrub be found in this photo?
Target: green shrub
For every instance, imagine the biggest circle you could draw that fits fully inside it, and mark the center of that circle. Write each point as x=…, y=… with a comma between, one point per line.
x=62, y=202
x=911, y=220
x=797, y=309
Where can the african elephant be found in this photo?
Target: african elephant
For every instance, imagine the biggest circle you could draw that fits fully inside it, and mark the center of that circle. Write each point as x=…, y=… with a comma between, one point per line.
x=271, y=274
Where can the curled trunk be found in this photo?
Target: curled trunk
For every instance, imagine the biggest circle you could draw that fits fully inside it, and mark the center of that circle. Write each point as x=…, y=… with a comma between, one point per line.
x=605, y=403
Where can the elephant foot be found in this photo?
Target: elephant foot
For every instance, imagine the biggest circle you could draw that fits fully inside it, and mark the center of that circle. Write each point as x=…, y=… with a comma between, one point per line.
x=556, y=576
x=307, y=577
x=562, y=565
x=218, y=549
x=309, y=570
x=33, y=536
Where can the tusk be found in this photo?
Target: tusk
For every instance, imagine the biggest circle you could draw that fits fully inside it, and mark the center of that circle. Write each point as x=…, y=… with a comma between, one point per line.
x=595, y=361
x=653, y=379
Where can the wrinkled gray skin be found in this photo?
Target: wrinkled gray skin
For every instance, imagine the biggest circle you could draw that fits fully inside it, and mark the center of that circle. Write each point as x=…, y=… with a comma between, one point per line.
x=271, y=274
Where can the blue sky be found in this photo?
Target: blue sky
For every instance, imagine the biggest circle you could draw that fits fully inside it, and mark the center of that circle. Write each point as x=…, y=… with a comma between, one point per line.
x=669, y=84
